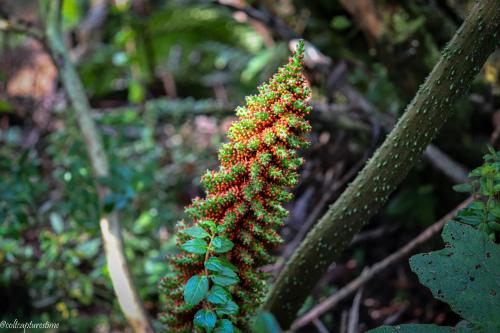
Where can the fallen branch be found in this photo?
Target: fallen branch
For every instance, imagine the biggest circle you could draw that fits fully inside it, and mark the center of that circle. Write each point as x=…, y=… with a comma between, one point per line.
x=110, y=227
x=370, y=273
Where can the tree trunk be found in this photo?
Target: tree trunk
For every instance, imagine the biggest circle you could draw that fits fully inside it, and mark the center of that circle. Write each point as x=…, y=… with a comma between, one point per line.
x=461, y=60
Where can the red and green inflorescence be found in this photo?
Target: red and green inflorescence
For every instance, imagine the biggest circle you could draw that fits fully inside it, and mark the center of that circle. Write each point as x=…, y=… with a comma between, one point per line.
x=215, y=283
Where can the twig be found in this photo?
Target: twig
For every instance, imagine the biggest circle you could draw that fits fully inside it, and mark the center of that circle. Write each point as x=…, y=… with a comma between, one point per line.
x=455, y=171
x=344, y=317
x=320, y=326
x=95, y=18
x=369, y=20
x=376, y=269
x=274, y=23
x=373, y=234
x=110, y=227
x=436, y=157
x=352, y=325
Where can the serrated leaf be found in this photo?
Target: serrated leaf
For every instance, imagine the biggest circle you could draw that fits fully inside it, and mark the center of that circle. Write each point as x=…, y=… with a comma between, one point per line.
x=224, y=280
x=196, y=232
x=218, y=295
x=465, y=275
x=195, y=289
x=218, y=265
x=224, y=326
x=205, y=319
x=228, y=308
x=222, y=244
x=197, y=246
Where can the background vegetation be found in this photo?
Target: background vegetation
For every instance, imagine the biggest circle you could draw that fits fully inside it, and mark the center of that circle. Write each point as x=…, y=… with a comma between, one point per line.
x=163, y=78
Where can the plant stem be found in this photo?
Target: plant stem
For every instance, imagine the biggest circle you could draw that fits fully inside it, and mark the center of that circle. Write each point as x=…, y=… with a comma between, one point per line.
x=110, y=228
x=451, y=77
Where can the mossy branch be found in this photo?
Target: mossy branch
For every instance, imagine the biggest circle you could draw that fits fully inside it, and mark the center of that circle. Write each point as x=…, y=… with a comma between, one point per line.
x=110, y=227
x=461, y=60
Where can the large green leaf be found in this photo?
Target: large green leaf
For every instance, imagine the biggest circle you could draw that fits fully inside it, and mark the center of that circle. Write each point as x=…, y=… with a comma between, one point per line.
x=228, y=308
x=197, y=246
x=222, y=244
x=205, y=319
x=465, y=274
x=218, y=295
x=196, y=232
x=224, y=326
x=224, y=280
x=221, y=266
x=195, y=289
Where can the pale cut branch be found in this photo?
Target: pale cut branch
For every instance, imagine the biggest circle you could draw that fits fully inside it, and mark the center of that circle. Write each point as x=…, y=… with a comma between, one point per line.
x=110, y=227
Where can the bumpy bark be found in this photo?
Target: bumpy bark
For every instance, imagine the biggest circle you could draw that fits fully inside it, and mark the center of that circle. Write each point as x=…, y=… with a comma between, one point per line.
x=246, y=194
x=451, y=77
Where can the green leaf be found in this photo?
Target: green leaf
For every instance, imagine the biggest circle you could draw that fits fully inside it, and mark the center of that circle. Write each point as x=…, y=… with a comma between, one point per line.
x=56, y=222
x=340, y=22
x=5, y=107
x=218, y=265
x=257, y=64
x=466, y=188
x=89, y=248
x=224, y=326
x=195, y=289
x=209, y=224
x=196, y=245
x=71, y=13
x=494, y=226
x=465, y=275
x=218, y=295
x=136, y=92
x=196, y=232
x=265, y=323
x=205, y=319
x=224, y=280
x=228, y=308
x=222, y=244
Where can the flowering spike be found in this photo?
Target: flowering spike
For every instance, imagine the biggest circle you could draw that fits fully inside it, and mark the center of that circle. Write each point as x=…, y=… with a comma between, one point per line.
x=243, y=204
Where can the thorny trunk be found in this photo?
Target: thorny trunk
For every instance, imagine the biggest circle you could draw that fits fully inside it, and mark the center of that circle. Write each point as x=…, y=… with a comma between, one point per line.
x=450, y=79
